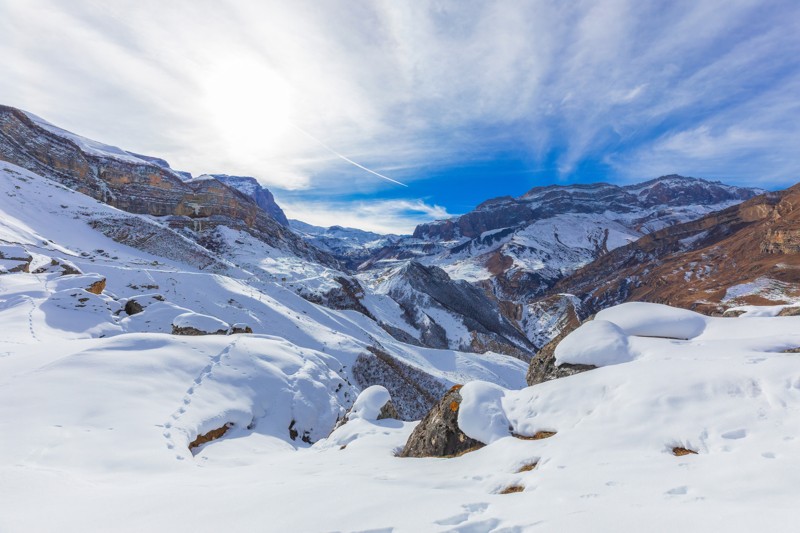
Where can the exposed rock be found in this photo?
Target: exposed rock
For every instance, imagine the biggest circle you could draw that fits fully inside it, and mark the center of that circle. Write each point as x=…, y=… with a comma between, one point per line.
x=438, y=434
x=793, y=310
x=214, y=434
x=97, y=287
x=388, y=411
x=692, y=265
x=543, y=365
x=680, y=451
x=140, y=303
x=239, y=328
x=262, y=196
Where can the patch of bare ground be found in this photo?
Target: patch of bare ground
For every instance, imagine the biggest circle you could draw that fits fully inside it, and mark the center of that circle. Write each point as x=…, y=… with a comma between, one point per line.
x=214, y=434
x=511, y=489
x=680, y=452
x=527, y=467
x=539, y=435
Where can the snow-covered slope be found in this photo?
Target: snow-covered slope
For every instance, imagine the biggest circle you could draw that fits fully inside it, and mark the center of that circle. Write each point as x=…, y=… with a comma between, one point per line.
x=101, y=429
x=53, y=224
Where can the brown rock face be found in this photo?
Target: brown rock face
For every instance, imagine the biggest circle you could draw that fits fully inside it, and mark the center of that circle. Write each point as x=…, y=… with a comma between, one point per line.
x=97, y=287
x=438, y=434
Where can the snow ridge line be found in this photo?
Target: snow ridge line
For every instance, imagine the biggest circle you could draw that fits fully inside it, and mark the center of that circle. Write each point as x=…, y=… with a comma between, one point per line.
x=205, y=373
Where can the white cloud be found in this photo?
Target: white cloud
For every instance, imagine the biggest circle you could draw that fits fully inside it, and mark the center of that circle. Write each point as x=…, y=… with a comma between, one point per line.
x=396, y=86
x=382, y=216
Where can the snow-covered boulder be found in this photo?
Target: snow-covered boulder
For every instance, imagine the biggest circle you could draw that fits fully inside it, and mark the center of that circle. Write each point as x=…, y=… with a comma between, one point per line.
x=596, y=343
x=240, y=328
x=374, y=403
x=196, y=324
x=655, y=320
x=94, y=283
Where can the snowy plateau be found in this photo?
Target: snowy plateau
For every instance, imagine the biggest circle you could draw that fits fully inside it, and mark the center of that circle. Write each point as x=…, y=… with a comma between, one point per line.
x=148, y=383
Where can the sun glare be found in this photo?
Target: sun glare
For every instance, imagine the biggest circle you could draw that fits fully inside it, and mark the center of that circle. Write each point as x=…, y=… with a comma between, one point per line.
x=251, y=106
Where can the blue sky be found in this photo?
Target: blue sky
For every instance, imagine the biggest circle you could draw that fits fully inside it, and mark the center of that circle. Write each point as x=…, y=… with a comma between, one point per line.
x=459, y=100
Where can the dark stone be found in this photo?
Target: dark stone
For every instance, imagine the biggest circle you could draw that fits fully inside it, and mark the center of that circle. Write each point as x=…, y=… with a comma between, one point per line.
x=543, y=365
x=438, y=434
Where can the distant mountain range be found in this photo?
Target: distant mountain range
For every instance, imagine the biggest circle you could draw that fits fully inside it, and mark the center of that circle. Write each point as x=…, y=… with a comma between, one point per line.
x=504, y=277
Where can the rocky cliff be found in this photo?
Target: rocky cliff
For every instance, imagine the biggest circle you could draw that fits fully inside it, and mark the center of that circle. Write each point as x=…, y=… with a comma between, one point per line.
x=260, y=195
x=138, y=184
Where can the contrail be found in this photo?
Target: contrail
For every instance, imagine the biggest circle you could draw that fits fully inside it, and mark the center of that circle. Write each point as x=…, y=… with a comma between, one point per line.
x=337, y=154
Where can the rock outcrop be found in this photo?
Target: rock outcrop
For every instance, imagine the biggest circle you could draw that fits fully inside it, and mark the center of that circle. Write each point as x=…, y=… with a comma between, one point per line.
x=438, y=434
x=260, y=195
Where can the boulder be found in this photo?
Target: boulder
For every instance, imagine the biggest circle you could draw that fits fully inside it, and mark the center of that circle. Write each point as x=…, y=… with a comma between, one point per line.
x=240, y=328
x=140, y=303
x=543, y=365
x=438, y=434
x=195, y=324
x=93, y=283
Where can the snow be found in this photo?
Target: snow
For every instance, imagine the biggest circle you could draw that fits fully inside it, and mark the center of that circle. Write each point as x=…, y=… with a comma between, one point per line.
x=369, y=403
x=87, y=145
x=655, y=320
x=205, y=323
x=97, y=408
x=597, y=343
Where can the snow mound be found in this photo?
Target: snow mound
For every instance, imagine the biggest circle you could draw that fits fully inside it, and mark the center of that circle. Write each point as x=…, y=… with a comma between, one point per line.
x=481, y=414
x=204, y=324
x=369, y=403
x=596, y=343
x=655, y=320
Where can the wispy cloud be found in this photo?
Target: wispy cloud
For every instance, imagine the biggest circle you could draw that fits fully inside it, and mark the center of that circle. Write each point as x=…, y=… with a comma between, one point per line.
x=405, y=87
x=382, y=216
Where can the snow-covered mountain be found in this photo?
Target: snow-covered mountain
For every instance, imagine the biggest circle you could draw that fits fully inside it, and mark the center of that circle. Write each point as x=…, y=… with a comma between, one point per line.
x=519, y=247
x=173, y=358
x=351, y=246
